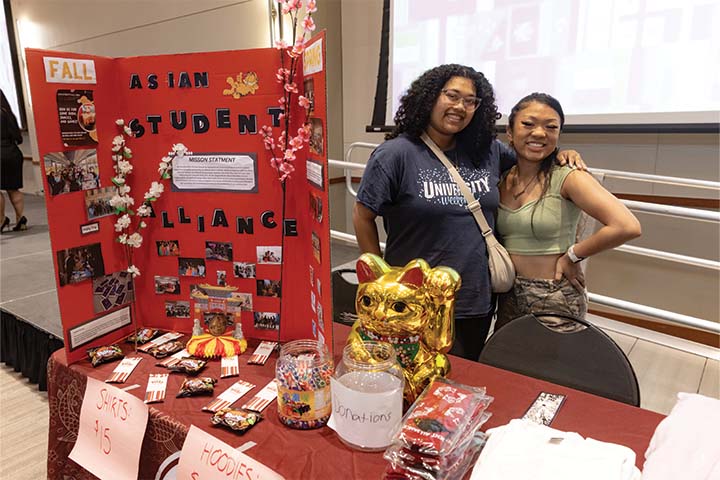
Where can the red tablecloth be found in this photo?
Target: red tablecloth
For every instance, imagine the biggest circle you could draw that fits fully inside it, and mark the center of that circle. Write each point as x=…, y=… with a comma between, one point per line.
x=314, y=454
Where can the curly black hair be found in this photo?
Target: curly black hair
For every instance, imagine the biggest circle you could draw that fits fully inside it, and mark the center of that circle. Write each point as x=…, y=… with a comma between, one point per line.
x=413, y=115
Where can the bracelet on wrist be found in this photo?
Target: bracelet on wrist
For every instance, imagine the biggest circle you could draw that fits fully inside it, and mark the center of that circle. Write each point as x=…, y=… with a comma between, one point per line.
x=572, y=256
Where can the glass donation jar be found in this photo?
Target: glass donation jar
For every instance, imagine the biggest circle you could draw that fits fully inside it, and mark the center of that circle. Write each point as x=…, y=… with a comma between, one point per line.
x=367, y=396
x=303, y=373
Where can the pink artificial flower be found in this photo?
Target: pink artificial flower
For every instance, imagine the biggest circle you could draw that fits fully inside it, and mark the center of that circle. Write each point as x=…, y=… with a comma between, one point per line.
x=298, y=48
x=269, y=143
x=296, y=143
x=311, y=7
x=280, y=44
x=304, y=133
x=281, y=116
x=286, y=169
x=304, y=102
x=289, y=155
x=281, y=101
x=266, y=131
x=282, y=74
x=291, y=87
x=309, y=23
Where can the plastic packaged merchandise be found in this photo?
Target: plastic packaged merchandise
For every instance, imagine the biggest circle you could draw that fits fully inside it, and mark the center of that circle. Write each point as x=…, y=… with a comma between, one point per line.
x=167, y=348
x=239, y=420
x=143, y=335
x=191, y=366
x=197, y=386
x=439, y=437
x=104, y=354
x=368, y=383
x=303, y=372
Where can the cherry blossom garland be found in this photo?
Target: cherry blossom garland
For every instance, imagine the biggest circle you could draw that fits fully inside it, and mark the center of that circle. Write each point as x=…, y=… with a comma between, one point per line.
x=128, y=232
x=284, y=148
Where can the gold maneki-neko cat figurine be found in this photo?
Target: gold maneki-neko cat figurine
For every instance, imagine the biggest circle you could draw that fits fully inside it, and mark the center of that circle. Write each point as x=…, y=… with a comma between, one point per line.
x=410, y=307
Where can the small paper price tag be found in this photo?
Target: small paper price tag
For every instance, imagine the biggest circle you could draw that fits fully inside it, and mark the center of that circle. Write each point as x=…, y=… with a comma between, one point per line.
x=263, y=398
x=123, y=370
x=156, y=387
x=229, y=396
x=229, y=367
x=262, y=352
x=174, y=358
x=160, y=340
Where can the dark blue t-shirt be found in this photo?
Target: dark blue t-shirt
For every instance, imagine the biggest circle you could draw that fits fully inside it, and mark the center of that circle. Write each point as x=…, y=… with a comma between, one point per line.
x=425, y=214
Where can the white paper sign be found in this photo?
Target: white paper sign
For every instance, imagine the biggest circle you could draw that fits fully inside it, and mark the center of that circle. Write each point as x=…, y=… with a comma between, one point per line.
x=69, y=70
x=314, y=173
x=312, y=58
x=214, y=172
x=366, y=419
x=205, y=457
x=112, y=428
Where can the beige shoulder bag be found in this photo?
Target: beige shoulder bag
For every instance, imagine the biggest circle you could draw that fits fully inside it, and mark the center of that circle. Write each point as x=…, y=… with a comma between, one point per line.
x=502, y=270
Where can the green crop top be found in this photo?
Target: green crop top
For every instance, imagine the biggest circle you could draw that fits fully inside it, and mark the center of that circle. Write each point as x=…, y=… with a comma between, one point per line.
x=555, y=221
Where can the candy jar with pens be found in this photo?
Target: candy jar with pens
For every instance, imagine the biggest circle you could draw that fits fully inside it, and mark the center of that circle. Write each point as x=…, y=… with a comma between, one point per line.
x=303, y=373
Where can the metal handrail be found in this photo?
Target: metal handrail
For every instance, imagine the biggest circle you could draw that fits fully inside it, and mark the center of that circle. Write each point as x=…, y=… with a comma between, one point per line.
x=686, y=182
x=672, y=317
x=692, y=213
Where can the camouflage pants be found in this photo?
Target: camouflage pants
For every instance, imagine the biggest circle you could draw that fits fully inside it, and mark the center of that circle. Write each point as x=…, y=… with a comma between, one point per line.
x=534, y=295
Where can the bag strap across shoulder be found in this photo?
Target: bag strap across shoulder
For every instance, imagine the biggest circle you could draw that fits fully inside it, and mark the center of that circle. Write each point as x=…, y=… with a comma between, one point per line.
x=472, y=204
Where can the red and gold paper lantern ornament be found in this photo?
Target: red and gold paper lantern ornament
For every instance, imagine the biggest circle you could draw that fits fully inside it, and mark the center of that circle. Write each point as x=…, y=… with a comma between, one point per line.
x=218, y=310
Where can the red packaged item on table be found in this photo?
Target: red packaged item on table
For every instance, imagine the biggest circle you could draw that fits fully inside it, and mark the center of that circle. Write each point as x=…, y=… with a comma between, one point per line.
x=442, y=416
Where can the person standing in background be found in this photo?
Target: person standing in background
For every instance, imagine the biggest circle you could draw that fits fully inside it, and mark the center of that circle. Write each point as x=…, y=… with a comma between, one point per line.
x=11, y=168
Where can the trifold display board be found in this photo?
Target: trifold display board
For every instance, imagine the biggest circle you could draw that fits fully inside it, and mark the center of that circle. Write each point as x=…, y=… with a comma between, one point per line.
x=221, y=219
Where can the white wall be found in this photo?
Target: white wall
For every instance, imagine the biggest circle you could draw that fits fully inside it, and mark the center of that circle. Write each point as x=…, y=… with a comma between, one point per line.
x=689, y=290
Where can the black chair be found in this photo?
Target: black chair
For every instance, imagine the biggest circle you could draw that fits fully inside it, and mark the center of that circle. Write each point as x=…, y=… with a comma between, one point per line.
x=343, y=295
x=586, y=360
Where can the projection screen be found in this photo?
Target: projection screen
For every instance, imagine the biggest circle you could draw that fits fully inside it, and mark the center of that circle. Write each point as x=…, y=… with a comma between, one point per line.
x=608, y=62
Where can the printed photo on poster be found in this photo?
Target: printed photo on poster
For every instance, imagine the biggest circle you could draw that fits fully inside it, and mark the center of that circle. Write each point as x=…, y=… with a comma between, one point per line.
x=76, y=113
x=221, y=278
x=219, y=251
x=266, y=320
x=245, y=299
x=243, y=270
x=194, y=287
x=168, y=248
x=167, y=285
x=309, y=93
x=71, y=171
x=316, y=207
x=316, y=246
x=317, y=138
x=177, y=309
x=268, y=288
x=111, y=291
x=80, y=263
x=269, y=255
x=191, y=267
x=314, y=173
x=97, y=202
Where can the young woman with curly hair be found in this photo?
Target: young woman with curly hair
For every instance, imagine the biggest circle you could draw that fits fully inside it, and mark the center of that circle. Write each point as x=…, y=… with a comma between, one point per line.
x=423, y=212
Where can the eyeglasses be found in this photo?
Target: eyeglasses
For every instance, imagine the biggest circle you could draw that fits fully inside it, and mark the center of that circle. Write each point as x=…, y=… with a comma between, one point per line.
x=470, y=102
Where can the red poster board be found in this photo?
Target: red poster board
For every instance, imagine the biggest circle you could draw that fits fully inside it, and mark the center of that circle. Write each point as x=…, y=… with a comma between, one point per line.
x=214, y=103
